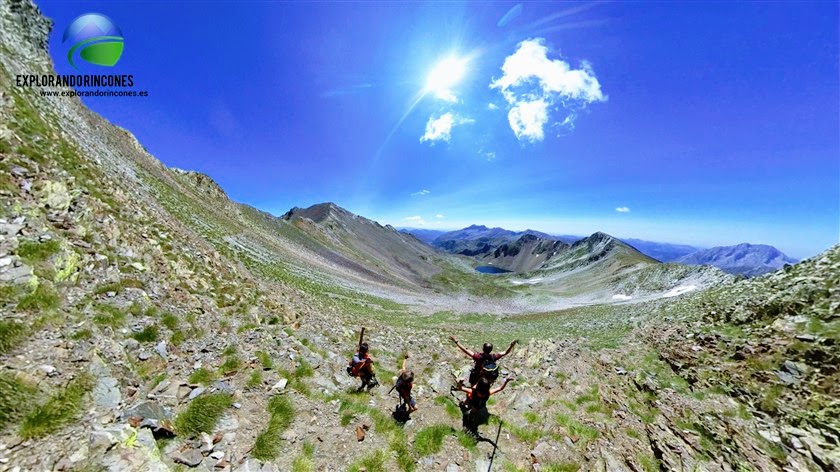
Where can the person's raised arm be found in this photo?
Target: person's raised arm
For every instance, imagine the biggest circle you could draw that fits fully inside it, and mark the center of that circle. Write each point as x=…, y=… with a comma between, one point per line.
x=405, y=360
x=504, y=384
x=361, y=338
x=462, y=348
x=510, y=348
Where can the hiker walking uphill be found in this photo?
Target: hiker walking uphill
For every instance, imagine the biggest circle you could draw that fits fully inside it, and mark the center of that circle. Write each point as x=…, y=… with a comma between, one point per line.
x=361, y=365
x=485, y=361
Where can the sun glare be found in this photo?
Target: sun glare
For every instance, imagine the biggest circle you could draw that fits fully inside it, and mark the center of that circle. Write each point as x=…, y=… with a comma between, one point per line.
x=445, y=75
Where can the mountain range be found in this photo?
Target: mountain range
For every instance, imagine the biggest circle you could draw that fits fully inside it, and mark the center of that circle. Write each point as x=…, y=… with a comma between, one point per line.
x=479, y=241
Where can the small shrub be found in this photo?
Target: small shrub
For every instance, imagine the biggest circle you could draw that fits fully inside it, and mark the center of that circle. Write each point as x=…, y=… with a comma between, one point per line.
x=149, y=334
x=202, y=414
x=59, y=410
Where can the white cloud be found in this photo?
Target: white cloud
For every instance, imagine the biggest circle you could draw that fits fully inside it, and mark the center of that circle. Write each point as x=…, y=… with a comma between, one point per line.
x=492, y=106
x=420, y=193
x=531, y=83
x=439, y=216
x=527, y=119
x=415, y=219
x=491, y=156
x=623, y=210
x=440, y=128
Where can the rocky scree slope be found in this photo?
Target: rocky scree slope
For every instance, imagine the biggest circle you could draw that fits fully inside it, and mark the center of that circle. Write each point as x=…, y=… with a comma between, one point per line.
x=133, y=339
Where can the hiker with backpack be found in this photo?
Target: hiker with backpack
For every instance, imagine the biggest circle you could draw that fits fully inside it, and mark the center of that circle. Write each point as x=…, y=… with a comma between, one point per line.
x=405, y=382
x=361, y=365
x=474, y=407
x=485, y=361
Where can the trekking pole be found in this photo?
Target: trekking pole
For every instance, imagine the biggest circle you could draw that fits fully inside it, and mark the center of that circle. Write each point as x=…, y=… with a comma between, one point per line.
x=495, y=446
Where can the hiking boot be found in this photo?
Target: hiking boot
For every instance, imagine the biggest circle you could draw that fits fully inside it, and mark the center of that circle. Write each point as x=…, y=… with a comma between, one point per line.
x=373, y=383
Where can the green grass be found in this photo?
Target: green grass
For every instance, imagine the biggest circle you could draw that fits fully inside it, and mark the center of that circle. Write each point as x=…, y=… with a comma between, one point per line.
x=149, y=334
x=372, y=462
x=230, y=365
x=255, y=379
x=304, y=369
x=202, y=376
x=81, y=334
x=170, y=321
x=33, y=252
x=108, y=315
x=43, y=298
x=156, y=380
x=12, y=334
x=576, y=429
x=229, y=351
x=61, y=409
x=282, y=413
x=304, y=462
x=202, y=414
x=449, y=406
x=265, y=360
x=531, y=417
x=527, y=435
x=429, y=440
x=16, y=399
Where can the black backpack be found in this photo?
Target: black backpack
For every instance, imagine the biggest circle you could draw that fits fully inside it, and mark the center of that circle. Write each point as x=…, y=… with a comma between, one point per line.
x=490, y=370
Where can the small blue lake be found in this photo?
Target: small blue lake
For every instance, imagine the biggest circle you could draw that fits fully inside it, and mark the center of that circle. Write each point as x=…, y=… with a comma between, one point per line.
x=491, y=270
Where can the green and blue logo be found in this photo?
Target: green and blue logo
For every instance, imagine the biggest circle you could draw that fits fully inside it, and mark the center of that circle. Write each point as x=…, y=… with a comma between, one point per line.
x=97, y=39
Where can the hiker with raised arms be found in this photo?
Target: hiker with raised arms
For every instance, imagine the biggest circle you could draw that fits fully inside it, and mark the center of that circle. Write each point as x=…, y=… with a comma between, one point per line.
x=405, y=382
x=474, y=407
x=485, y=361
x=361, y=365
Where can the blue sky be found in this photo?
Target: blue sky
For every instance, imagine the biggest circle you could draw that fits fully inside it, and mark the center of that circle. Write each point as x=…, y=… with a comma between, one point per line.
x=709, y=123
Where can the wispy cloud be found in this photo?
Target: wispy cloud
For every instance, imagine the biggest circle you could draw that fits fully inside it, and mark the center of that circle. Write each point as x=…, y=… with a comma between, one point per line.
x=623, y=210
x=492, y=106
x=440, y=128
x=421, y=193
x=416, y=220
x=532, y=84
x=439, y=216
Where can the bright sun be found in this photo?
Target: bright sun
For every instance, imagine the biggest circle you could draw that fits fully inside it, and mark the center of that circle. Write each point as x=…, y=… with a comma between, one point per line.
x=446, y=74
